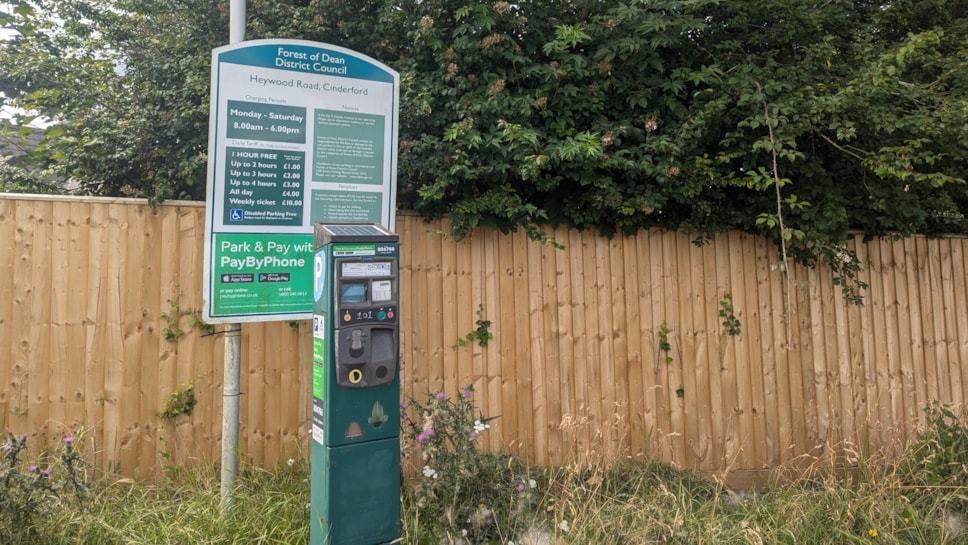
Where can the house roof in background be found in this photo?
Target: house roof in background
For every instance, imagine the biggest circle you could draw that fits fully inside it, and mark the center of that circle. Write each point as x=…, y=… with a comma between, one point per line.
x=13, y=143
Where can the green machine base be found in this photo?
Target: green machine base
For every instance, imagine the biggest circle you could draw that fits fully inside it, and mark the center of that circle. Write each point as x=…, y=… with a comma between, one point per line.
x=358, y=487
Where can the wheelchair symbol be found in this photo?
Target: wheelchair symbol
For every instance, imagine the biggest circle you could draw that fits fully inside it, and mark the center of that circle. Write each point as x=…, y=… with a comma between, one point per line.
x=235, y=214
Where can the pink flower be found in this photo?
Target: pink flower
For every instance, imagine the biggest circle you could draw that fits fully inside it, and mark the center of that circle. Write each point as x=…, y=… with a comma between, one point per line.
x=441, y=396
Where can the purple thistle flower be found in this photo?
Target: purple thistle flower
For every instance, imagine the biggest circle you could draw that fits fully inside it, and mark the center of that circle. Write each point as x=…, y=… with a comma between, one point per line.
x=47, y=471
x=441, y=396
x=69, y=440
x=467, y=394
x=7, y=447
x=23, y=437
x=33, y=469
x=521, y=487
x=421, y=438
x=430, y=433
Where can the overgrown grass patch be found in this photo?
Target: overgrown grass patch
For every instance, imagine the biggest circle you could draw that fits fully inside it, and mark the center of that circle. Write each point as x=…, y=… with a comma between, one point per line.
x=467, y=497
x=269, y=507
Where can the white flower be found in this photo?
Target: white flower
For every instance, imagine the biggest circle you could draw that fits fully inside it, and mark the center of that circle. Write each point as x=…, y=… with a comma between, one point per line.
x=480, y=426
x=290, y=462
x=532, y=483
x=563, y=525
x=429, y=472
x=463, y=532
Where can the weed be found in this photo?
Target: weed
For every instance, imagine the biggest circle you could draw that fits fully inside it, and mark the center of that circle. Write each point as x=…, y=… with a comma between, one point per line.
x=938, y=459
x=180, y=402
x=171, y=331
x=664, y=342
x=730, y=322
x=29, y=492
x=461, y=494
x=482, y=334
x=197, y=322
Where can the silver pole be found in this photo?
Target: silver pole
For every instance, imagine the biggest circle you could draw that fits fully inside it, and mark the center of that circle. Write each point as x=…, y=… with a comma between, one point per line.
x=230, y=414
x=236, y=21
x=233, y=342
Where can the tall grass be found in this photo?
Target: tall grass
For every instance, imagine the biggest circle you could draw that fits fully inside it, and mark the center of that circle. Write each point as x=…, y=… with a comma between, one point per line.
x=269, y=507
x=921, y=499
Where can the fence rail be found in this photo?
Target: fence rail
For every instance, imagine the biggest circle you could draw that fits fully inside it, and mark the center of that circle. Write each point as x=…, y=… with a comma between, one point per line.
x=609, y=347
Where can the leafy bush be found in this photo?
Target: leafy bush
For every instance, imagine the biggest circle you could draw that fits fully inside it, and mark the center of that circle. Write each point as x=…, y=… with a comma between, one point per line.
x=938, y=460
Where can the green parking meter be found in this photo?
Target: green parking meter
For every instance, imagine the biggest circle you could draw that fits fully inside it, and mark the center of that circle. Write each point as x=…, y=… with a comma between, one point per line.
x=355, y=452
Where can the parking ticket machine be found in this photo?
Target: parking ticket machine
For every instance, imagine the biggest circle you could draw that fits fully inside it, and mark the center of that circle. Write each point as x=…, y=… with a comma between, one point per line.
x=355, y=453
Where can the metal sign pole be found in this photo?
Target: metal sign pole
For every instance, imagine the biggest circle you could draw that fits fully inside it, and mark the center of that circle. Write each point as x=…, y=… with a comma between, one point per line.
x=233, y=342
x=230, y=414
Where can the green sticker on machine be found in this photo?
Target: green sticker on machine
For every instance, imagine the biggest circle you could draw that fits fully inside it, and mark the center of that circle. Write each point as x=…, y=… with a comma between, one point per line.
x=319, y=385
x=319, y=355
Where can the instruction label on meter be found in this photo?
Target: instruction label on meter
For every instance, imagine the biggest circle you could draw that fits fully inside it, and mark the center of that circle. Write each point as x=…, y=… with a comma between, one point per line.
x=366, y=270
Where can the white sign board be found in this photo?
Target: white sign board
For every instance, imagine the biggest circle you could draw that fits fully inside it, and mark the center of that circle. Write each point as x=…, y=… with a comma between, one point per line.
x=299, y=132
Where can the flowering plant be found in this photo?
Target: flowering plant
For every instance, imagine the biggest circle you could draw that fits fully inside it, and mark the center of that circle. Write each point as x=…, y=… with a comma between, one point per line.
x=442, y=426
x=28, y=489
x=479, y=496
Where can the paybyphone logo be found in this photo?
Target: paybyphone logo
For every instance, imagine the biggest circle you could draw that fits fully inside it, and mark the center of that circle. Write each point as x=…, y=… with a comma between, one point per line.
x=319, y=275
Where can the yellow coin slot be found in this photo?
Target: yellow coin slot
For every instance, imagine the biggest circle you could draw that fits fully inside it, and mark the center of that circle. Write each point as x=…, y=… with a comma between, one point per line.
x=355, y=376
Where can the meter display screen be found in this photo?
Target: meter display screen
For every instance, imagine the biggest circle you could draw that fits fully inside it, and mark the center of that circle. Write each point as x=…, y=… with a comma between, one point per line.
x=352, y=293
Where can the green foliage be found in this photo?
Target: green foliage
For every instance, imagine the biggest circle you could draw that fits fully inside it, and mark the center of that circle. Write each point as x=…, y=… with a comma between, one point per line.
x=171, y=331
x=124, y=82
x=938, y=460
x=269, y=506
x=730, y=322
x=196, y=321
x=16, y=173
x=29, y=491
x=664, y=345
x=482, y=334
x=694, y=115
x=180, y=402
x=632, y=501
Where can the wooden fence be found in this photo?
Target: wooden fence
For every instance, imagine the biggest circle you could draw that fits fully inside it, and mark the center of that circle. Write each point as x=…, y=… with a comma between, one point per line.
x=610, y=347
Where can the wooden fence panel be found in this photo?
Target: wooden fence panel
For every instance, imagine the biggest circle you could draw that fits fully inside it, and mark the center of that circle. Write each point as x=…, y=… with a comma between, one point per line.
x=97, y=298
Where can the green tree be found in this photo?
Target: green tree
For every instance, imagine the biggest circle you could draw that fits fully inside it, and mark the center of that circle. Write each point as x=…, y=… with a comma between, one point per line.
x=123, y=84
x=796, y=120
